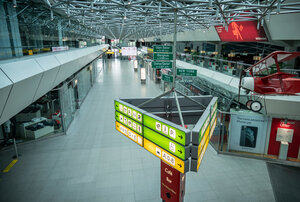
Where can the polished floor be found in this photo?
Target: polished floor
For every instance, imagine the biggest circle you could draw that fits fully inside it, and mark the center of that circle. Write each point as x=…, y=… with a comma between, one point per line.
x=93, y=162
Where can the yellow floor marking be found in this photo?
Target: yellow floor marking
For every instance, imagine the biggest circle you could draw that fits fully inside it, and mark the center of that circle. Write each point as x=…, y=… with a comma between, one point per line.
x=10, y=166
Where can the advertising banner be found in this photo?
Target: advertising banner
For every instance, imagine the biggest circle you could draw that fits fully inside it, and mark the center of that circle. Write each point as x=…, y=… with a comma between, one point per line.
x=129, y=51
x=243, y=31
x=247, y=132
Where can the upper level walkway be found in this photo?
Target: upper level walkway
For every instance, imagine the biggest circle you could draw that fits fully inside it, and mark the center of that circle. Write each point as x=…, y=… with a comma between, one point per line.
x=93, y=162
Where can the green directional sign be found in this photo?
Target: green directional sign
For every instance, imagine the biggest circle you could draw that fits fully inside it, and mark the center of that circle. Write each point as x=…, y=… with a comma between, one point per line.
x=162, y=64
x=130, y=123
x=186, y=72
x=165, y=143
x=163, y=49
x=163, y=56
x=166, y=129
x=167, y=78
x=128, y=111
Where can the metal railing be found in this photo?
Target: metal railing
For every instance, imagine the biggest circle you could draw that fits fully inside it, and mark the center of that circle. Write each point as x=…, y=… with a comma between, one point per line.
x=232, y=68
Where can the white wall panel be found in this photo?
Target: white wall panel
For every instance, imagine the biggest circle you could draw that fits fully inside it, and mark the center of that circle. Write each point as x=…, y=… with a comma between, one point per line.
x=284, y=26
x=21, y=96
x=5, y=86
x=51, y=66
x=26, y=75
x=29, y=78
x=194, y=35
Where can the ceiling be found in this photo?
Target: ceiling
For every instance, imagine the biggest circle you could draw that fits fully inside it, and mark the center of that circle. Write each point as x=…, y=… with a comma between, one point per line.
x=136, y=19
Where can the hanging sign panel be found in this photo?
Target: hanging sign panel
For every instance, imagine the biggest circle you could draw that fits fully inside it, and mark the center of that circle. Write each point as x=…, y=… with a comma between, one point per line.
x=167, y=144
x=162, y=56
x=186, y=72
x=178, y=164
x=167, y=78
x=167, y=129
x=130, y=134
x=163, y=49
x=162, y=64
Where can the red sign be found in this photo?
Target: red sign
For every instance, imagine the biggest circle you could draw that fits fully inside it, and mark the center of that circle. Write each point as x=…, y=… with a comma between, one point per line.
x=244, y=31
x=172, y=184
x=274, y=145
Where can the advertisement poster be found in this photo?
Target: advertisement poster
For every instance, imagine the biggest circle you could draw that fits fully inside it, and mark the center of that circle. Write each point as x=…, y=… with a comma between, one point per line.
x=247, y=133
x=294, y=141
x=243, y=31
x=129, y=51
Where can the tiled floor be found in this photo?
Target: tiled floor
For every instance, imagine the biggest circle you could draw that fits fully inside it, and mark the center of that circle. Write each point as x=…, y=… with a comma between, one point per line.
x=93, y=162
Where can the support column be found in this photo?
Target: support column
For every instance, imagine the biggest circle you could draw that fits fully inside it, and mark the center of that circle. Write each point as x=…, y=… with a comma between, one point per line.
x=10, y=41
x=218, y=48
x=38, y=36
x=60, y=34
x=14, y=30
x=5, y=48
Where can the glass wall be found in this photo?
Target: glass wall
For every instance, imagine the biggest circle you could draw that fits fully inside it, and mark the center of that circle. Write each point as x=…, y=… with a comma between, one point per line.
x=53, y=113
x=74, y=91
x=31, y=28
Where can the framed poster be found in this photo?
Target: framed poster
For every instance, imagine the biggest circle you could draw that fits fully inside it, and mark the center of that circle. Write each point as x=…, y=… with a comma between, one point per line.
x=247, y=132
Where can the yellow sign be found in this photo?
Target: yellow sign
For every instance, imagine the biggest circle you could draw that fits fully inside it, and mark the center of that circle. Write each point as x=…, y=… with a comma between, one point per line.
x=203, y=140
x=130, y=134
x=206, y=144
x=164, y=156
x=150, y=50
x=110, y=52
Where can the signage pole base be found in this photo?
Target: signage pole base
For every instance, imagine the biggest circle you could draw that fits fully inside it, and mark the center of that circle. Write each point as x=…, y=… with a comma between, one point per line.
x=172, y=188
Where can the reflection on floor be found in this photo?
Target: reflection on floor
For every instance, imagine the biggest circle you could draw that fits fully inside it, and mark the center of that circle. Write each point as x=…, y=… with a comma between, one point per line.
x=93, y=162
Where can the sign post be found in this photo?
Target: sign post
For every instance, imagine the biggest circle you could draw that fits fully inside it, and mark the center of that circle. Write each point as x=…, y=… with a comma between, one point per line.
x=180, y=150
x=172, y=184
x=167, y=138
